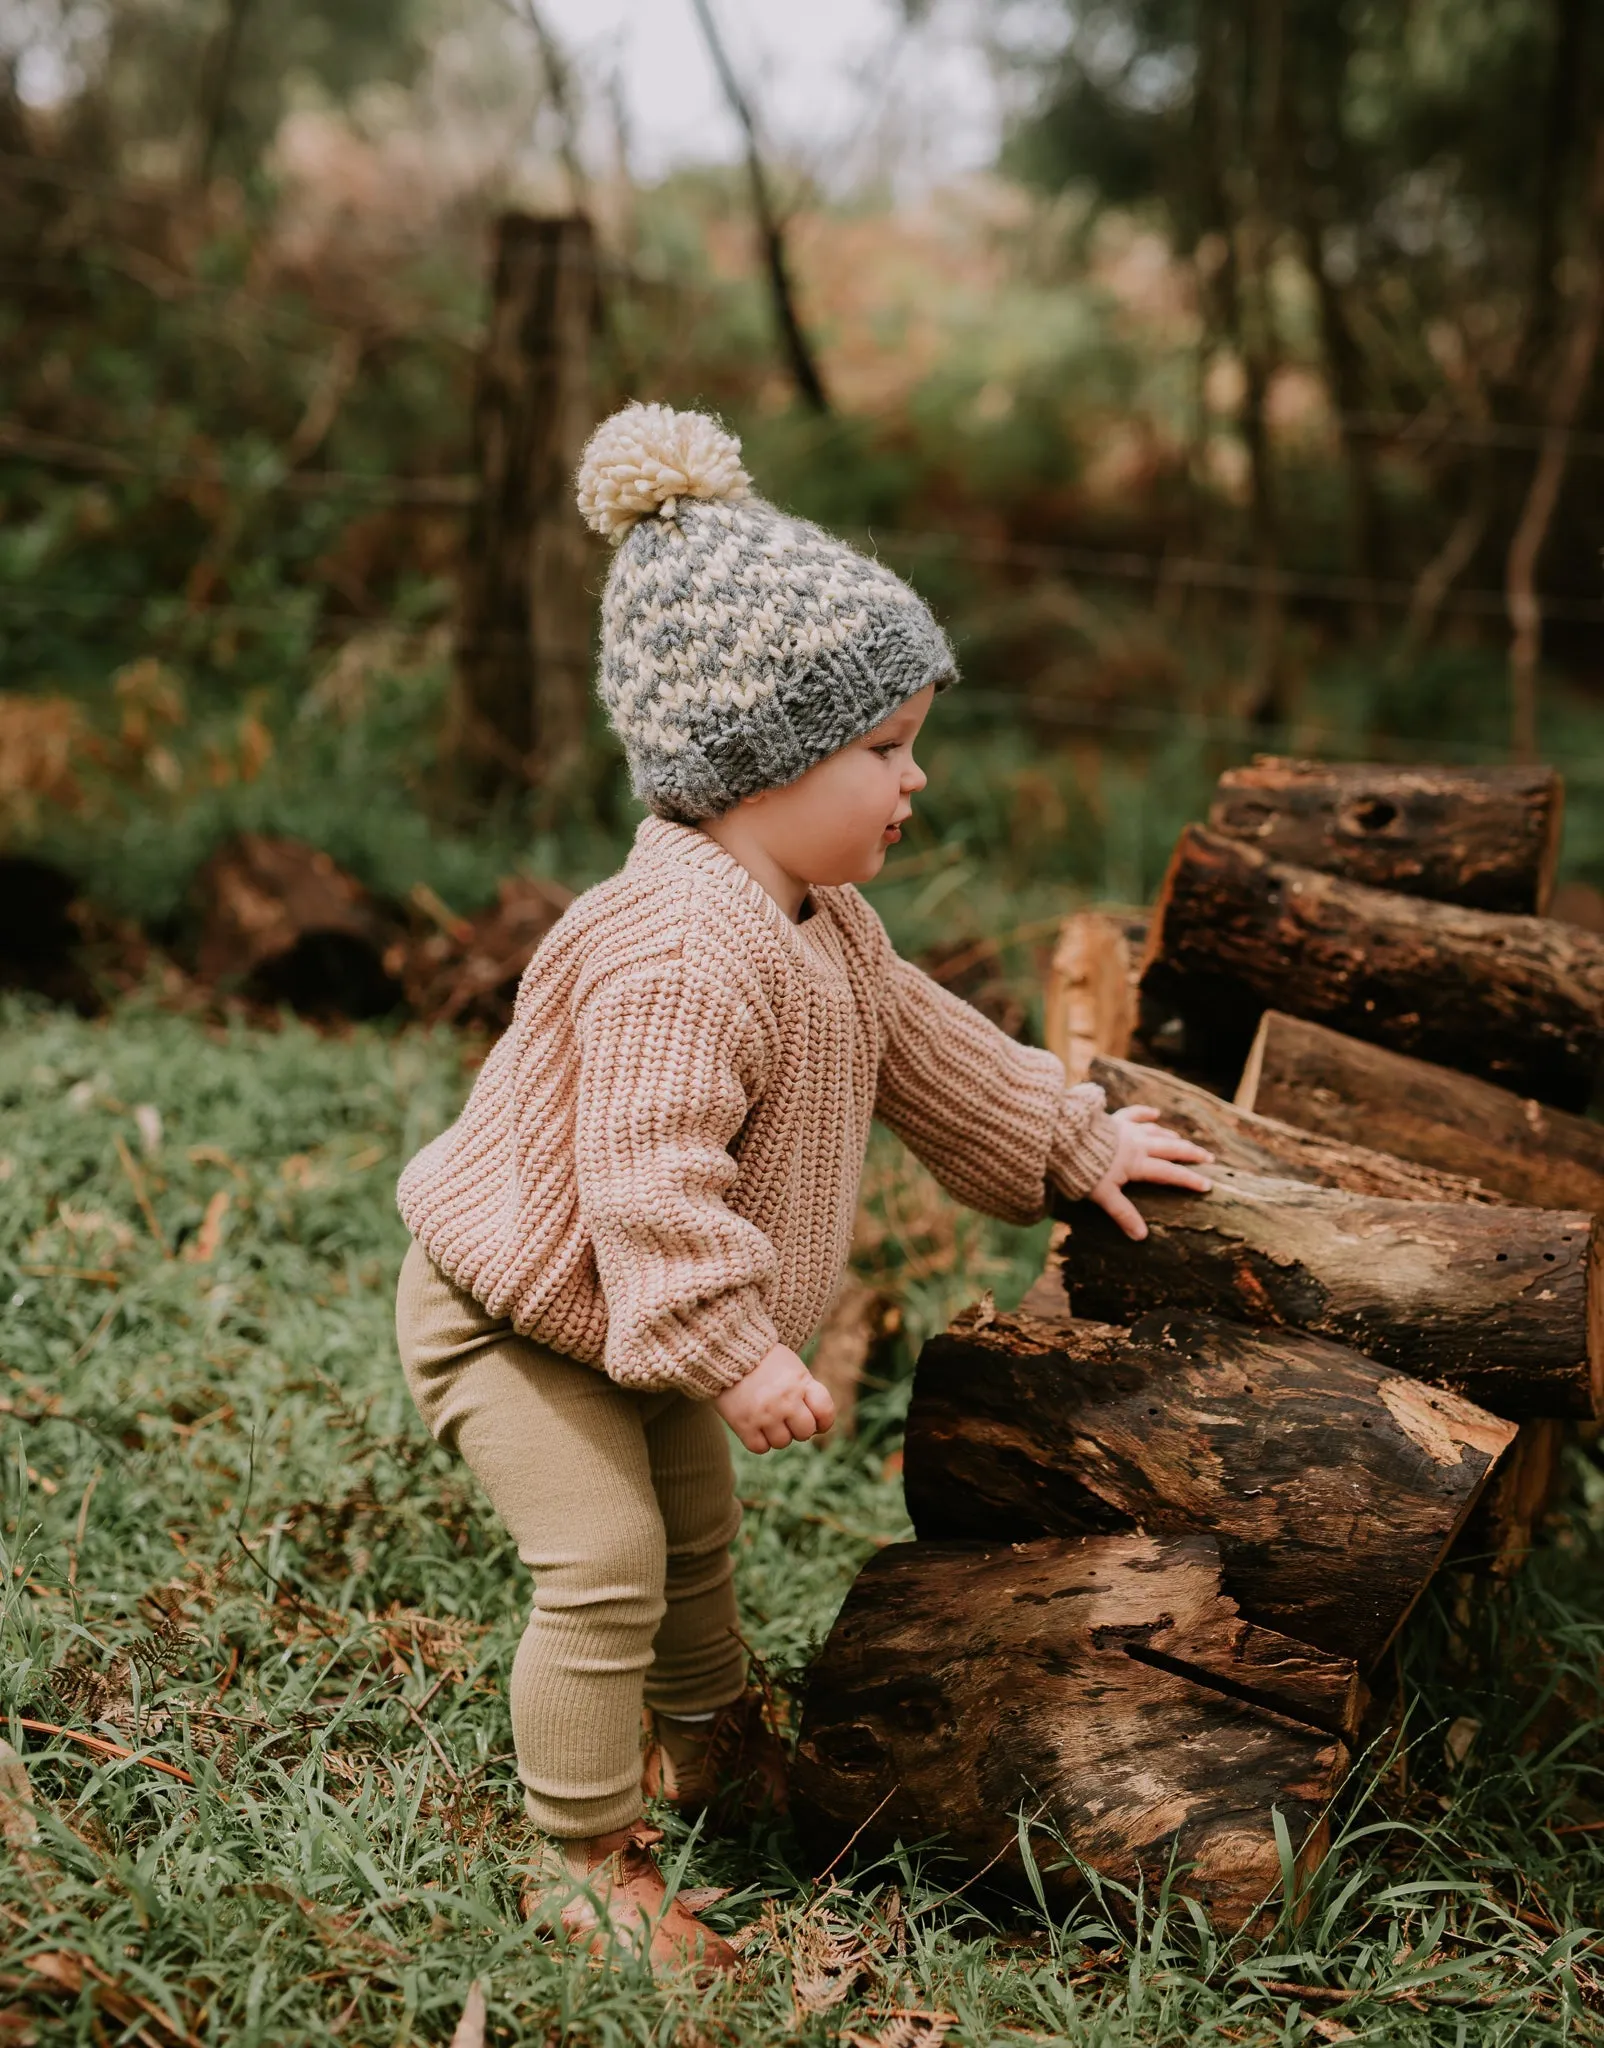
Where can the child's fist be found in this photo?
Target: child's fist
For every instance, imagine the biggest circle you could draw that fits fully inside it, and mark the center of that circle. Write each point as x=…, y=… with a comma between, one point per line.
x=1147, y=1151
x=779, y=1402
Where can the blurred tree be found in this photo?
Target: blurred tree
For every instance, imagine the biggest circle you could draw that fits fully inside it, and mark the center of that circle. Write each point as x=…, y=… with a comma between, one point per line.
x=1424, y=165
x=216, y=76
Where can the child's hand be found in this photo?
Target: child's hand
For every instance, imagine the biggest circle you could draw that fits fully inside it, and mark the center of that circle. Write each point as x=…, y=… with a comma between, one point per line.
x=779, y=1402
x=1147, y=1151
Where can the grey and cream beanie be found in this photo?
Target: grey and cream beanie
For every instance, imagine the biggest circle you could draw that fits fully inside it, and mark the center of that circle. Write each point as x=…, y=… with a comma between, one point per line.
x=739, y=646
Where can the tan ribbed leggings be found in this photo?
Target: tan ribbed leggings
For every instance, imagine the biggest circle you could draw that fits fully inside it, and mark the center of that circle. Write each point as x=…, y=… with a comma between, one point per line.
x=623, y=1506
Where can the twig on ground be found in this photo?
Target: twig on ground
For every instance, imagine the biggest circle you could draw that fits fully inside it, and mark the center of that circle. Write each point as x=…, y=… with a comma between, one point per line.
x=108, y=1749
x=136, y=1180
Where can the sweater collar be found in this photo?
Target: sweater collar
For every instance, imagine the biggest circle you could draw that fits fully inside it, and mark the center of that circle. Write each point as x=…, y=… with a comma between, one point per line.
x=659, y=840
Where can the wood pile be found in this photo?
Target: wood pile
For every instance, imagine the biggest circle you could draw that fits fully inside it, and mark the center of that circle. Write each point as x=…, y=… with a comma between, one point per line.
x=1171, y=1513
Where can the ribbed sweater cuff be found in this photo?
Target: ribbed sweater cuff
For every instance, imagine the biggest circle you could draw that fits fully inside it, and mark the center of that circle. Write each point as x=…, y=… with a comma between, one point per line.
x=1083, y=1143
x=721, y=1347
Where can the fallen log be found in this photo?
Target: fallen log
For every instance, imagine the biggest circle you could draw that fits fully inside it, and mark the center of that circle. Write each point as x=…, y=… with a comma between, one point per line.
x=1504, y=1305
x=1104, y=1686
x=1487, y=838
x=1350, y=1092
x=1333, y=1486
x=1518, y=1000
x=281, y=923
x=1266, y=1145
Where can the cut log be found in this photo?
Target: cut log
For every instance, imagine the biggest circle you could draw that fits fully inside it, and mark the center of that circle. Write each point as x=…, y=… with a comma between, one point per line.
x=1332, y=1485
x=1262, y=1144
x=1518, y=1000
x=1498, y=1533
x=1504, y=1305
x=1090, y=1000
x=1350, y=1092
x=1487, y=838
x=281, y=923
x=1104, y=1686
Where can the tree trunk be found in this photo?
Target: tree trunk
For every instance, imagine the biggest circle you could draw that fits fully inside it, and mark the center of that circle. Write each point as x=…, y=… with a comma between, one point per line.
x=1332, y=1486
x=1518, y=1000
x=1503, y=1305
x=523, y=652
x=1349, y=1091
x=1090, y=1000
x=1261, y=1144
x=1487, y=838
x=1104, y=1686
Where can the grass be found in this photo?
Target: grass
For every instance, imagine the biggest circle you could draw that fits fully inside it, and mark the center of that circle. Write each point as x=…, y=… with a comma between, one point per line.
x=230, y=1548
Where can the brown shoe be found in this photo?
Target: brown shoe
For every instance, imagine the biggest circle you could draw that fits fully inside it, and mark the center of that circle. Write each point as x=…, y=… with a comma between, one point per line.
x=734, y=1763
x=607, y=1893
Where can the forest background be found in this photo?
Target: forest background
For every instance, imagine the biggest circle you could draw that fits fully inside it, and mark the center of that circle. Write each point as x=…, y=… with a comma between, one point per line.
x=1247, y=401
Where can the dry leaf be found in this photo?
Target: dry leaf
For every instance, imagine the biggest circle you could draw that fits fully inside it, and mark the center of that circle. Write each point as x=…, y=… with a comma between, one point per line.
x=700, y=1897
x=1332, y=2030
x=148, y=1120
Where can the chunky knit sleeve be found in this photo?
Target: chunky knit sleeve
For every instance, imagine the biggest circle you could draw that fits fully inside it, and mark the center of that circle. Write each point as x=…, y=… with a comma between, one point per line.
x=667, y=1057
x=991, y=1118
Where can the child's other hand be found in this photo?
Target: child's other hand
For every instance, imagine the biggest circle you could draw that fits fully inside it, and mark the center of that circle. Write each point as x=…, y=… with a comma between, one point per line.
x=1147, y=1151
x=779, y=1402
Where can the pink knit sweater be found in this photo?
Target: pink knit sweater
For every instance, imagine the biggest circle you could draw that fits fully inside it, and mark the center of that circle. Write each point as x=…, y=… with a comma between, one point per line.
x=657, y=1169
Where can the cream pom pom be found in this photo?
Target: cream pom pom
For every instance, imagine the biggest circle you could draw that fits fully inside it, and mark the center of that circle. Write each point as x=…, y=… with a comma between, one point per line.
x=647, y=457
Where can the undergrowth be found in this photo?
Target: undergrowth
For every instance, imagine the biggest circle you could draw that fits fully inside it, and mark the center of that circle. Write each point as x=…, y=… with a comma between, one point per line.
x=230, y=1549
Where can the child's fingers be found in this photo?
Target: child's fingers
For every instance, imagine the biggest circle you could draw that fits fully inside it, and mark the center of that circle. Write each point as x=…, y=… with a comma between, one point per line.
x=820, y=1401
x=776, y=1435
x=1170, y=1173
x=1168, y=1144
x=1137, y=1113
x=800, y=1419
x=1124, y=1212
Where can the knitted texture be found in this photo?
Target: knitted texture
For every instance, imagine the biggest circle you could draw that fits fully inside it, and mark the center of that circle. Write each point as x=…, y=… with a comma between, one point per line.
x=657, y=1169
x=739, y=646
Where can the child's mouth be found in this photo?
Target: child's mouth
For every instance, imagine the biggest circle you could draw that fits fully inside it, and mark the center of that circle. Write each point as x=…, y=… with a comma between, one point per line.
x=893, y=833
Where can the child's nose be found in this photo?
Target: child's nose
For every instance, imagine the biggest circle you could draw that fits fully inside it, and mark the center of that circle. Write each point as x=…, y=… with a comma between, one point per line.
x=914, y=778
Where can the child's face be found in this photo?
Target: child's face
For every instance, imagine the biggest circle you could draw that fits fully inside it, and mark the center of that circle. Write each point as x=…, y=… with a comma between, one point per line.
x=835, y=823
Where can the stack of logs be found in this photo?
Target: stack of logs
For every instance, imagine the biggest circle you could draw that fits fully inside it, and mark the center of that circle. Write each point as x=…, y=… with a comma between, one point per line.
x=1163, y=1539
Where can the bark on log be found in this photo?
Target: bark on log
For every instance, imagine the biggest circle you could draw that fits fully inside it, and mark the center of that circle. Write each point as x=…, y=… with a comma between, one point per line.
x=1518, y=1000
x=1333, y=1486
x=1104, y=1685
x=282, y=924
x=1262, y=1144
x=1487, y=838
x=1350, y=1092
x=1504, y=1305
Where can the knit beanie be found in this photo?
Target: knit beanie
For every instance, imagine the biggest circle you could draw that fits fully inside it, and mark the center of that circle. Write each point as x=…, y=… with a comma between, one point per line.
x=739, y=646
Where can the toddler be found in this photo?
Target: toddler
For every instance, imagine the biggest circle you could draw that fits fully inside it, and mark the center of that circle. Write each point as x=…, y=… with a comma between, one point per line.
x=648, y=1199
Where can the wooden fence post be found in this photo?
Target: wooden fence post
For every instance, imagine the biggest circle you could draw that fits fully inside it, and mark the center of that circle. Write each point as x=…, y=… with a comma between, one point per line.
x=524, y=634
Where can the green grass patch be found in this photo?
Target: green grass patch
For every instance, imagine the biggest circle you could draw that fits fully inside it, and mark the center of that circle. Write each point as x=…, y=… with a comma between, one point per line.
x=229, y=1547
